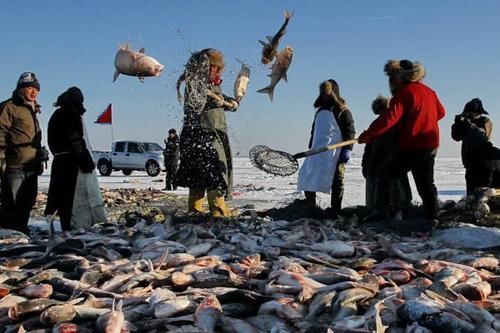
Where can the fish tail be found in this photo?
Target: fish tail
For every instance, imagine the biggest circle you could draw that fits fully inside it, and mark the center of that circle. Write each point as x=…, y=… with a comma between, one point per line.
x=267, y=90
x=288, y=15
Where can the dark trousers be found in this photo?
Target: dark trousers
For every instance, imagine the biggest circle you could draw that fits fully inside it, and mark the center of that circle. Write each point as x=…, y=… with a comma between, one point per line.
x=170, y=172
x=337, y=192
x=19, y=190
x=480, y=176
x=421, y=165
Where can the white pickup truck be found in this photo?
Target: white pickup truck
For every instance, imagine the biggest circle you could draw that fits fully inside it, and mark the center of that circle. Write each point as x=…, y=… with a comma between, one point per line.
x=128, y=156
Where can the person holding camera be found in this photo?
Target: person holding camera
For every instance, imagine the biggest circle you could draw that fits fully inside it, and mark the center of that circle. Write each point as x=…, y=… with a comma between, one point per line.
x=22, y=156
x=479, y=157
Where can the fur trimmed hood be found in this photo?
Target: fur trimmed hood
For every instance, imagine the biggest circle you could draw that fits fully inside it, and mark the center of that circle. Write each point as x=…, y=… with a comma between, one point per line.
x=407, y=70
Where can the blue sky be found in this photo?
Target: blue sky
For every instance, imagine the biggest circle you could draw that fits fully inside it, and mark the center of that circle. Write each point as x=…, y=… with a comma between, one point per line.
x=74, y=43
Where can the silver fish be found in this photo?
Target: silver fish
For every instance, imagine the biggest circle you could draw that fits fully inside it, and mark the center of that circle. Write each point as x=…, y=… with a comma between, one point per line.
x=279, y=70
x=270, y=47
x=133, y=63
x=241, y=82
x=207, y=314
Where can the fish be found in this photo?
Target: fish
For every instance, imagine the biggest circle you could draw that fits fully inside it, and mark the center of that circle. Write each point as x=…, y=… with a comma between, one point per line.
x=207, y=314
x=446, y=323
x=113, y=321
x=241, y=82
x=233, y=325
x=25, y=308
x=270, y=47
x=37, y=291
x=346, y=302
x=171, y=307
x=58, y=314
x=320, y=302
x=132, y=63
x=279, y=70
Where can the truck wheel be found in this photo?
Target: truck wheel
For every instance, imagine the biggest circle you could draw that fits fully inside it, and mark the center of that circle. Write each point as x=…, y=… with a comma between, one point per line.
x=127, y=172
x=104, y=167
x=152, y=168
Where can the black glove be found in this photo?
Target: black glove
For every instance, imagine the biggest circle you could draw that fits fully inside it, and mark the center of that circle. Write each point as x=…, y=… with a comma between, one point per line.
x=42, y=156
x=85, y=162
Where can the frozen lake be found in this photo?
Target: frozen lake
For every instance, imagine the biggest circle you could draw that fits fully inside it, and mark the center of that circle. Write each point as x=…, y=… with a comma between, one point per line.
x=265, y=191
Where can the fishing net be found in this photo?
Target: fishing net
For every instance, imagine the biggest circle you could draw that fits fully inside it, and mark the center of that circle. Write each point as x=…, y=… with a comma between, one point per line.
x=197, y=81
x=272, y=161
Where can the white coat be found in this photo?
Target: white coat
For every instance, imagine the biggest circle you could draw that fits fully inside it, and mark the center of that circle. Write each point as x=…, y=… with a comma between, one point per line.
x=317, y=172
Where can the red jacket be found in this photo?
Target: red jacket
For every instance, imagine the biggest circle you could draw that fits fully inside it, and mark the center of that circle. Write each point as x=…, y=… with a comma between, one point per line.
x=415, y=109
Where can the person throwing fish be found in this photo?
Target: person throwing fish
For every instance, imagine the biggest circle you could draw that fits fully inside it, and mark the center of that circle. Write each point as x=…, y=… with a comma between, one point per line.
x=416, y=110
x=205, y=163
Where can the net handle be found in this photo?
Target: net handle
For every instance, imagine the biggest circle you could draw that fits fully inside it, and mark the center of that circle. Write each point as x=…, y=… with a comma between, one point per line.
x=327, y=148
x=219, y=99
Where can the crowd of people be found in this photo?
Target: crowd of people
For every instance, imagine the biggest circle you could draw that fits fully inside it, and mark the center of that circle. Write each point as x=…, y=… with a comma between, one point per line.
x=403, y=138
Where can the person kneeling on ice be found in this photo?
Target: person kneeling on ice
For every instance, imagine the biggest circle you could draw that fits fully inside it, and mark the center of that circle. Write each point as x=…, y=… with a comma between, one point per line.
x=415, y=109
x=318, y=172
x=206, y=164
x=480, y=158
x=73, y=190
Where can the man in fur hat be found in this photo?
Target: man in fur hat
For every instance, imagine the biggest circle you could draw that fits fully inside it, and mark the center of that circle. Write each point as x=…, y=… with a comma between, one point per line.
x=415, y=109
x=21, y=153
x=206, y=164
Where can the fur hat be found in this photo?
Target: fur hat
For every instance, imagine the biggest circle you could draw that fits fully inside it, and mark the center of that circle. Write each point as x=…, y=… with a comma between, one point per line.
x=475, y=105
x=329, y=94
x=28, y=79
x=216, y=58
x=407, y=70
x=172, y=131
x=380, y=104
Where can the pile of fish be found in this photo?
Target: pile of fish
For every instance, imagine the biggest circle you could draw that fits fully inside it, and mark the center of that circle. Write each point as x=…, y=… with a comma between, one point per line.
x=243, y=275
x=120, y=201
x=480, y=208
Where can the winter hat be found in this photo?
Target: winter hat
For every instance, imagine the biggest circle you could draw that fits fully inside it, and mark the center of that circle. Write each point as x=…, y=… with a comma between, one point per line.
x=380, y=104
x=327, y=91
x=28, y=79
x=407, y=70
x=216, y=58
x=172, y=131
x=73, y=97
x=475, y=105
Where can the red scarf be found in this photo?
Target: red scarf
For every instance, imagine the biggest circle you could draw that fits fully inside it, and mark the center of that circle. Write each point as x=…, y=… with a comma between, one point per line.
x=216, y=80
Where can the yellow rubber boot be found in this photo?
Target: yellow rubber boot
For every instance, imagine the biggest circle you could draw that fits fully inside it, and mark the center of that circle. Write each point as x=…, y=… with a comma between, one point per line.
x=195, y=201
x=218, y=206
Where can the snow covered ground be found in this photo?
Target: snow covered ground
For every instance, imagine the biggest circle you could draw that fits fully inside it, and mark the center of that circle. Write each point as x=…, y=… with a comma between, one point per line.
x=265, y=191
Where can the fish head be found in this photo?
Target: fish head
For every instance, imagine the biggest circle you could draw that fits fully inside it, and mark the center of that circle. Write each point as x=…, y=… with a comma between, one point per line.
x=148, y=66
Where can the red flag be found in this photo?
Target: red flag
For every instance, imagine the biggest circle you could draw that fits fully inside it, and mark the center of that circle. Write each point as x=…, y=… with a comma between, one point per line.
x=105, y=117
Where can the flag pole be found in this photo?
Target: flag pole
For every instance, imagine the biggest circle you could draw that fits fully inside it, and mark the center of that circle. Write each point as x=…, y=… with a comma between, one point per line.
x=112, y=137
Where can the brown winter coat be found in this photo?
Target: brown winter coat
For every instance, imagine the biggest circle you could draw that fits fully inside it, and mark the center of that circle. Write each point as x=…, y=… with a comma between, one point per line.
x=20, y=134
